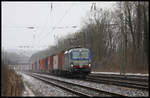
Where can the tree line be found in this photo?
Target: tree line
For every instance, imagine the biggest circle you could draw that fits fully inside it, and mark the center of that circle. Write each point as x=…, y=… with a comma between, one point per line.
x=117, y=39
x=12, y=58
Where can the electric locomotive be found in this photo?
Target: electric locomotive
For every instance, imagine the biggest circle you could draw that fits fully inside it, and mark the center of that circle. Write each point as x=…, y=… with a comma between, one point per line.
x=79, y=61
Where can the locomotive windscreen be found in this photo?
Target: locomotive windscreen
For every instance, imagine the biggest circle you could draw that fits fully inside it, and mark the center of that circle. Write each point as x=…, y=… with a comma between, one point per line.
x=75, y=55
x=84, y=55
x=80, y=55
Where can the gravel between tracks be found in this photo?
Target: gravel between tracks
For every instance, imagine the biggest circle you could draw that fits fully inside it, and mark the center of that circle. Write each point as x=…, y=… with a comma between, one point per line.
x=110, y=88
x=42, y=89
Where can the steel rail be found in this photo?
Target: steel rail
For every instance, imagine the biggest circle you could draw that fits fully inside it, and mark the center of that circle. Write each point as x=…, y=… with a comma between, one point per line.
x=126, y=77
x=127, y=83
x=81, y=86
x=60, y=86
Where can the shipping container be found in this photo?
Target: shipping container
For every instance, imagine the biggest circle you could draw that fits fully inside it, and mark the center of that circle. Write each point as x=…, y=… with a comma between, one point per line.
x=38, y=65
x=49, y=66
x=60, y=55
x=55, y=62
x=41, y=64
x=28, y=66
x=50, y=63
x=46, y=63
x=35, y=66
x=32, y=67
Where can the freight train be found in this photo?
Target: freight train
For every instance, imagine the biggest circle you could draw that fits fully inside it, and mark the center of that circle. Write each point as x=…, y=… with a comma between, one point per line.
x=72, y=62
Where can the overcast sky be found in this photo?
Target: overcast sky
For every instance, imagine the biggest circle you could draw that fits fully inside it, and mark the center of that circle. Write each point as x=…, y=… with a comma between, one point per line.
x=17, y=16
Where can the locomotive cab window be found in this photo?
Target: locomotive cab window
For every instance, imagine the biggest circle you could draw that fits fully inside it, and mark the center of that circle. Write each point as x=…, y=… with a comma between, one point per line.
x=80, y=55
x=75, y=55
x=84, y=55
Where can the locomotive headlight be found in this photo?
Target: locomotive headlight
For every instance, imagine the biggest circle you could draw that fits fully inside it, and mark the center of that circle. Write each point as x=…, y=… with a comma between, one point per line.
x=71, y=65
x=89, y=65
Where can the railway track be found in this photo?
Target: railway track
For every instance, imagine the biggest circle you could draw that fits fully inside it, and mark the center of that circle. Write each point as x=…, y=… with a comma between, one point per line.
x=77, y=89
x=129, y=77
x=138, y=82
x=130, y=81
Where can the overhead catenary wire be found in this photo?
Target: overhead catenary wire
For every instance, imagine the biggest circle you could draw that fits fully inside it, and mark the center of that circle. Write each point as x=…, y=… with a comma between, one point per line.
x=46, y=22
x=49, y=14
x=66, y=12
x=55, y=37
x=55, y=27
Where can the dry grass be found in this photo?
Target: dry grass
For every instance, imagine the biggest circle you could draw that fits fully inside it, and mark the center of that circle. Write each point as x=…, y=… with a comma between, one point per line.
x=136, y=64
x=11, y=83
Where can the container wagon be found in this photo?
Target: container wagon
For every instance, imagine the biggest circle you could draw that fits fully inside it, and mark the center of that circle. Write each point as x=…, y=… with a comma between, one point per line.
x=76, y=61
x=72, y=62
x=46, y=64
x=41, y=65
x=50, y=63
